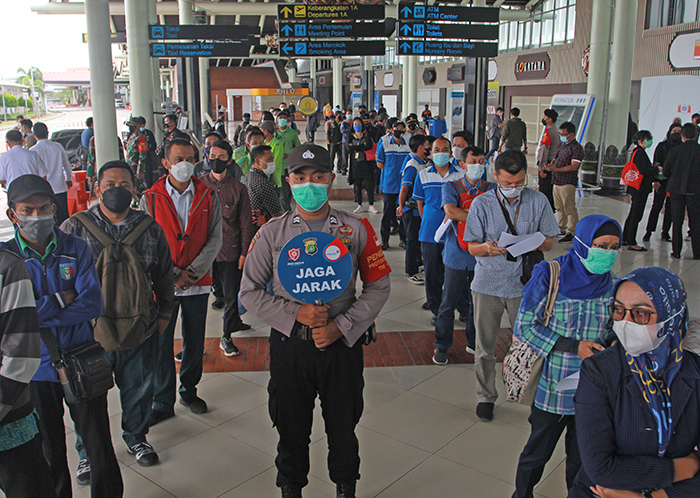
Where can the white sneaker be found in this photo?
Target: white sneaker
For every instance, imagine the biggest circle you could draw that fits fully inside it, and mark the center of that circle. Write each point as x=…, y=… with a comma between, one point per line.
x=358, y=209
x=417, y=279
x=373, y=210
x=470, y=350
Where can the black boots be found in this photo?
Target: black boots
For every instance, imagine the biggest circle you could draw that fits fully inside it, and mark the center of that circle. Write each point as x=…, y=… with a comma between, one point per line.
x=291, y=491
x=346, y=489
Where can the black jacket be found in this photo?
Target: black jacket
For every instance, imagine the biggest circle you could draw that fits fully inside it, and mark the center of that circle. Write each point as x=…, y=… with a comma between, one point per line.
x=641, y=159
x=682, y=169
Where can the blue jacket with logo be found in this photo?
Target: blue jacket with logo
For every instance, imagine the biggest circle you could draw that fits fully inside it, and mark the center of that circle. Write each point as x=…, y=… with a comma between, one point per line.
x=70, y=266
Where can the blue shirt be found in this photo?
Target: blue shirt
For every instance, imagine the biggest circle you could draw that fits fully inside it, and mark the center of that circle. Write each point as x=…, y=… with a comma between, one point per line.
x=409, y=171
x=453, y=255
x=484, y=177
x=392, y=155
x=85, y=137
x=429, y=190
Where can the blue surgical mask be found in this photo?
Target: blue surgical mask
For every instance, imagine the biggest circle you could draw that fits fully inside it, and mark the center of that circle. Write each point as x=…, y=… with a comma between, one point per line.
x=563, y=139
x=357, y=127
x=441, y=159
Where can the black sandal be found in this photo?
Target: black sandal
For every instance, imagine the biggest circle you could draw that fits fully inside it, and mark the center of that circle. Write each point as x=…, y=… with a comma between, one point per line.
x=639, y=248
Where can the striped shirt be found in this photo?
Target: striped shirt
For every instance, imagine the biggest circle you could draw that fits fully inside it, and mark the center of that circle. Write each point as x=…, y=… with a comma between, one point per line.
x=428, y=189
x=579, y=319
x=392, y=155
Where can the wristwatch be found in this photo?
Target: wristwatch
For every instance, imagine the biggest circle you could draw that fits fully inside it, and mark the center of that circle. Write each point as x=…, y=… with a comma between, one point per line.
x=647, y=494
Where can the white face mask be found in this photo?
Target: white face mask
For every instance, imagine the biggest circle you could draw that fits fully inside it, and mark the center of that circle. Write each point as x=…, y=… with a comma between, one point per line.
x=271, y=167
x=639, y=339
x=457, y=153
x=182, y=171
x=475, y=171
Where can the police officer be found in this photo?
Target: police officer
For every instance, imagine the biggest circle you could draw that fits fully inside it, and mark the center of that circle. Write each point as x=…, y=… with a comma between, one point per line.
x=329, y=363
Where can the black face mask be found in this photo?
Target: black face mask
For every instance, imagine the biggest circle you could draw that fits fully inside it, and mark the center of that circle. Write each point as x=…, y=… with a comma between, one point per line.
x=675, y=137
x=427, y=152
x=544, y=122
x=218, y=166
x=398, y=133
x=411, y=127
x=116, y=199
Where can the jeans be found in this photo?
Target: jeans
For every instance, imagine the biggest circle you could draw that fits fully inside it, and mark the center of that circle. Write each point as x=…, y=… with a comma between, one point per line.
x=680, y=204
x=456, y=294
x=434, y=274
x=545, y=431
x=390, y=203
x=24, y=472
x=230, y=277
x=134, y=373
x=413, y=251
x=639, y=202
x=495, y=142
x=194, y=318
x=299, y=372
x=92, y=422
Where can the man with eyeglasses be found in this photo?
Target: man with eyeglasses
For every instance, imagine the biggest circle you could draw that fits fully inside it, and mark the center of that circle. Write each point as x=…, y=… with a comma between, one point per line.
x=497, y=285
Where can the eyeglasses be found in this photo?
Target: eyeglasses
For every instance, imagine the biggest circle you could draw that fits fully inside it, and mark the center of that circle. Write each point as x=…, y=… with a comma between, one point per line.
x=640, y=316
x=606, y=247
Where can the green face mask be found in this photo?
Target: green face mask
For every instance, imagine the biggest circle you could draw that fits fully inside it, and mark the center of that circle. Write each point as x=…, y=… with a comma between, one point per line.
x=648, y=144
x=310, y=196
x=599, y=261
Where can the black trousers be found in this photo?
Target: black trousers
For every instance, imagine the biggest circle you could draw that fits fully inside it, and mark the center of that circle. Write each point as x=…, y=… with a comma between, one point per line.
x=92, y=423
x=24, y=472
x=216, y=287
x=546, y=429
x=61, y=208
x=298, y=373
x=413, y=260
x=639, y=202
x=680, y=204
x=346, y=158
x=660, y=200
x=545, y=186
x=390, y=203
x=335, y=151
x=367, y=183
x=230, y=278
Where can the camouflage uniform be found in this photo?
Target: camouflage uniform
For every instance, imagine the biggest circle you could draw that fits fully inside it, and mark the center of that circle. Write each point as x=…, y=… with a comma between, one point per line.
x=136, y=156
x=92, y=158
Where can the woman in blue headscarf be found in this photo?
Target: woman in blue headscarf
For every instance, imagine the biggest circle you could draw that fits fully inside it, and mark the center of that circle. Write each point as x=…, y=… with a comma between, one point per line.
x=580, y=315
x=638, y=402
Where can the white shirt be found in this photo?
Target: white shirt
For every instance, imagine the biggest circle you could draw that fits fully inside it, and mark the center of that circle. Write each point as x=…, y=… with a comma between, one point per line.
x=19, y=161
x=58, y=167
x=183, y=204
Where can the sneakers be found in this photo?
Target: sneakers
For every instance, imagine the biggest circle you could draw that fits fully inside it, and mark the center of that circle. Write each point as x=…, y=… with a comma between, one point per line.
x=385, y=246
x=433, y=320
x=196, y=405
x=394, y=230
x=373, y=210
x=440, y=357
x=82, y=476
x=462, y=318
x=569, y=237
x=425, y=306
x=470, y=350
x=144, y=453
x=228, y=347
x=417, y=279
x=218, y=304
x=345, y=489
x=358, y=209
x=178, y=357
x=485, y=412
x=157, y=416
x=402, y=244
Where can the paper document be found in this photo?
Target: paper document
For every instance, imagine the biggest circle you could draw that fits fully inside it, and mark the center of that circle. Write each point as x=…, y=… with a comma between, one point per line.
x=520, y=244
x=440, y=232
x=569, y=383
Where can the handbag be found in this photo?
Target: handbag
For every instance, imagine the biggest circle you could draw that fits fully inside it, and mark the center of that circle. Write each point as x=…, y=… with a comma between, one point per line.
x=530, y=259
x=83, y=370
x=631, y=177
x=522, y=367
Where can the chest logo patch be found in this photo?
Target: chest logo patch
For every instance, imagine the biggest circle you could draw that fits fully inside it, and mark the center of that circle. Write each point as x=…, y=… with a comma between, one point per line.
x=294, y=254
x=67, y=270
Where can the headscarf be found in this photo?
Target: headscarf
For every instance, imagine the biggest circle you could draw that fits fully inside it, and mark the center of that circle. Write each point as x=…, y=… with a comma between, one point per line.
x=654, y=371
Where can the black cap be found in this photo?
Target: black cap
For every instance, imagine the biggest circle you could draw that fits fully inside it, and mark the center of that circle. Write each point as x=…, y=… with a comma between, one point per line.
x=551, y=114
x=309, y=154
x=25, y=186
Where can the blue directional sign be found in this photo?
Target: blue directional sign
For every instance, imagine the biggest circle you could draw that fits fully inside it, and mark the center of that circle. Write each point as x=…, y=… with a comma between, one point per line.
x=314, y=266
x=331, y=48
x=446, y=31
x=410, y=11
x=336, y=29
x=200, y=49
x=197, y=32
x=447, y=48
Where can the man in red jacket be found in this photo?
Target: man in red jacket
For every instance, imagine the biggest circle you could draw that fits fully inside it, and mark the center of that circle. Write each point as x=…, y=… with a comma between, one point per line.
x=190, y=215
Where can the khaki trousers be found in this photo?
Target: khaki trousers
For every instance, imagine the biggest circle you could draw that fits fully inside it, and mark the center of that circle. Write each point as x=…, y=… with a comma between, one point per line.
x=565, y=204
x=488, y=311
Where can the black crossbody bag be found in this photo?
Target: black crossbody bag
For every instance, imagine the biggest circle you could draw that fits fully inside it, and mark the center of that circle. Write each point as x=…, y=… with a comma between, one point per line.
x=530, y=259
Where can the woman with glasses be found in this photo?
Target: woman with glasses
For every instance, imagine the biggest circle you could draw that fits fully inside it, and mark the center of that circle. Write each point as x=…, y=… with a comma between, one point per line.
x=580, y=317
x=638, y=402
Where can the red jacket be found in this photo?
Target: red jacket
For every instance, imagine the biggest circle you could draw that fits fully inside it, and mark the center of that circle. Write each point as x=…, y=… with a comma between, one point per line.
x=184, y=247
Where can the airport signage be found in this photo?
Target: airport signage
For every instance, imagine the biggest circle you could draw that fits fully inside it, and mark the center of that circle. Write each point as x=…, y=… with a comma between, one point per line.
x=447, y=48
x=532, y=66
x=200, y=49
x=317, y=12
x=423, y=12
x=201, y=32
x=448, y=31
x=330, y=48
x=321, y=29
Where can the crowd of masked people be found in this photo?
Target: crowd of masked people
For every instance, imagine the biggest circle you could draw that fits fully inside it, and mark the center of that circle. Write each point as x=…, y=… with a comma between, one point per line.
x=173, y=236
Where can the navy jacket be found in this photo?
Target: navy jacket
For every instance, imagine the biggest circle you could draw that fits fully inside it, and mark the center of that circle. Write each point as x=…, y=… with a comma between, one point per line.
x=70, y=266
x=617, y=434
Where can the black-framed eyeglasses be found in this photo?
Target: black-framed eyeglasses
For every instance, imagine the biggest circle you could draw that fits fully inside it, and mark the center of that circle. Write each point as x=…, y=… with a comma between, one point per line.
x=640, y=316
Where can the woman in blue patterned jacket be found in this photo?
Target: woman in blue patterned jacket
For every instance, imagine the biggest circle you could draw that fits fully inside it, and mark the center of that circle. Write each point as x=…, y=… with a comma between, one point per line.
x=580, y=317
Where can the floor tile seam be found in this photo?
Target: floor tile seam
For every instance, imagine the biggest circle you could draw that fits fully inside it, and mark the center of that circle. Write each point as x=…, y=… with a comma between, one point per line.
x=151, y=481
x=239, y=415
x=390, y=437
x=435, y=399
x=402, y=476
x=243, y=442
x=477, y=471
x=246, y=481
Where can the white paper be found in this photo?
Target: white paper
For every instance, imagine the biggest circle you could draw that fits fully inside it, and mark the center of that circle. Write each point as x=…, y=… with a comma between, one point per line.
x=440, y=232
x=569, y=383
x=520, y=244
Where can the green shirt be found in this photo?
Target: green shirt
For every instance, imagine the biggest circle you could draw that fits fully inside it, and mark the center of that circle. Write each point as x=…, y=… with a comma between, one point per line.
x=289, y=139
x=278, y=154
x=26, y=248
x=244, y=163
x=240, y=153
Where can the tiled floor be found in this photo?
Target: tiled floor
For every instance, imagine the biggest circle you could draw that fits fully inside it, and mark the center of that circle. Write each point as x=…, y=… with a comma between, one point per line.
x=419, y=436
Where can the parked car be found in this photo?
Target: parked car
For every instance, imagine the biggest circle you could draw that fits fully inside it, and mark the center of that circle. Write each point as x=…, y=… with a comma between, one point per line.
x=70, y=140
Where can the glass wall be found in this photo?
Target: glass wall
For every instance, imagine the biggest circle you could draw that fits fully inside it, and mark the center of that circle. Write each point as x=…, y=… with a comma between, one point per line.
x=662, y=13
x=552, y=23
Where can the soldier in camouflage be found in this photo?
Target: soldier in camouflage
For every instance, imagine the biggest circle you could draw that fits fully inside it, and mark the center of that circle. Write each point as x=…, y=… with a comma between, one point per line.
x=137, y=154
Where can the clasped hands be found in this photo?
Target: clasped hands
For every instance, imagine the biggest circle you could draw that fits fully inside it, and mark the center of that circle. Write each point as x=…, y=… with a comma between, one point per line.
x=324, y=331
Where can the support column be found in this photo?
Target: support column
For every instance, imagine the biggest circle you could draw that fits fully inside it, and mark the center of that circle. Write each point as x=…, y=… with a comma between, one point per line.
x=204, y=100
x=404, y=87
x=621, y=73
x=338, y=82
x=312, y=74
x=157, y=82
x=412, y=96
x=599, y=64
x=140, y=66
x=186, y=17
x=104, y=113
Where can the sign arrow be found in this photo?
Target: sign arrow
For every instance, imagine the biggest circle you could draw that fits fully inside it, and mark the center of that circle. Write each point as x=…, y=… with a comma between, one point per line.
x=405, y=29
x=287, y=47
x=287, y=12
x=405, y=47
x=406, y=11
x=286, y=29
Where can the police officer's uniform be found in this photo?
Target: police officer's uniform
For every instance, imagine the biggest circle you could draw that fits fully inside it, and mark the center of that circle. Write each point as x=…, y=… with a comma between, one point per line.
x=299, y=371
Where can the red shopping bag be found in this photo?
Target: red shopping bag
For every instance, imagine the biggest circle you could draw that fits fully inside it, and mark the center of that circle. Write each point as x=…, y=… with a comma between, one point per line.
x=631, y=177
